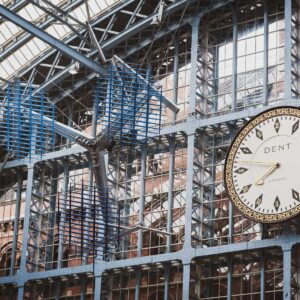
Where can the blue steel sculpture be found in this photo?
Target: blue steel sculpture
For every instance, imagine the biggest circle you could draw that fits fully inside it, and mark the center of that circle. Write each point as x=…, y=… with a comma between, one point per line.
x=129, y=108
x=23, y=130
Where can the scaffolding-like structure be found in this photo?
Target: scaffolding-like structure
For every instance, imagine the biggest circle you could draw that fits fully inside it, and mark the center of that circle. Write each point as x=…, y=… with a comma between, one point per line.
x=27, y=122
x=124, y=112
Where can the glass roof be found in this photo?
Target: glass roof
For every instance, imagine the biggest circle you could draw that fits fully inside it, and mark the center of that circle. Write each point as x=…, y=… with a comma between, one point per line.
x=10, y=33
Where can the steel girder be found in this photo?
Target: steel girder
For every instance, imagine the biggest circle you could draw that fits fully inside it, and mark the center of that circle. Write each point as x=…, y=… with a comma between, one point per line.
x=118, y=37
x=91, y=76
x=185, y=256
x=16, y=6
x=142, y=44
x=47, y=38
x=63, y=19
x=187, y=253
x=27, y=36
x=189, y=126
x=131, y=29
x=45, y=24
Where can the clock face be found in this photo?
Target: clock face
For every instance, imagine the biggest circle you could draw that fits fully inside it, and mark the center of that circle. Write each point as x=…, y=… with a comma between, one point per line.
x=261, y=171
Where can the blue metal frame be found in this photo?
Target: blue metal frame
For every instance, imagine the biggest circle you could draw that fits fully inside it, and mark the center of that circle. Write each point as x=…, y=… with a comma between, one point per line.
x=284, y=241
x=129, y=108
x=24, y=132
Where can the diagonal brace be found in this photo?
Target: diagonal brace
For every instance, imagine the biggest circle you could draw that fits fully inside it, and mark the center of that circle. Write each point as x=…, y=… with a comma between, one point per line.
x=50, y=40
x=165, y=101
x=60, y=19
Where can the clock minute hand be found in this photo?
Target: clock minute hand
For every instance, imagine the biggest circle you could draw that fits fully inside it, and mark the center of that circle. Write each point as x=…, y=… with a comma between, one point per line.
x=267, y=163
x=260, y=180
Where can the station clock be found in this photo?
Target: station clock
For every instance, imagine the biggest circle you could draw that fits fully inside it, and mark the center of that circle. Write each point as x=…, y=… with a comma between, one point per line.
x=261, y=171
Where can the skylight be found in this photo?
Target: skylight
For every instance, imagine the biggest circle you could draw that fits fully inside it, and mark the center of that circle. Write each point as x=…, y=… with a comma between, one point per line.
x=9, y=33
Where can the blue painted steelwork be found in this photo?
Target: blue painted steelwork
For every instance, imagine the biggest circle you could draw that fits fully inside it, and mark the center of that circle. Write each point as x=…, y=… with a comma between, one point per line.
x=23, y=130
x=50, y=40
x=129, y=107
x=90, y=222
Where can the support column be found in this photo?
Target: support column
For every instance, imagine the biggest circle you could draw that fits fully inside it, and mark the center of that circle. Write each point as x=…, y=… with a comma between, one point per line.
x=62, y=216
x=142, y=199
x=86, y=227
x=137, y=284
x=189, y=191
x=90, y=189
x=16, y=224
x=212, y=191
x=287, y=271
x=167, y=279
x=70, y=120
x=58, y=288
x=175, y=72
x=141, y=219
x=23, y=271
x=21, y=291
x=37, y=209
x=234, y=60
x=262, y=275
x=186, y=281
x=266, y=48
x=230, y=229
x=83, y=287
x=232, y=130
x=229, y=278
x=194, y=64
x=171, y=140
x=52, y=218
x=288, y=50
x=97, y=288
x=200, y=196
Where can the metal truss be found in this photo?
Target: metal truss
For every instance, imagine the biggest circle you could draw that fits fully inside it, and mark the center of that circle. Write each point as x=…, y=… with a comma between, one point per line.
x=47, y=38
x=191, y=125
x=27, y=36
x=108, y=39
x=203, y=121
x=143, y=42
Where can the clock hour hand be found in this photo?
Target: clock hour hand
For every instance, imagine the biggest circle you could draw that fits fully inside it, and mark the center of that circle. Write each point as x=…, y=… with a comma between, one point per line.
x=260, y=180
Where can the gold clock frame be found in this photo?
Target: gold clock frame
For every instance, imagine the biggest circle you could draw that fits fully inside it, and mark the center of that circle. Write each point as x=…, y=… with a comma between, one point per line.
x=228, y=167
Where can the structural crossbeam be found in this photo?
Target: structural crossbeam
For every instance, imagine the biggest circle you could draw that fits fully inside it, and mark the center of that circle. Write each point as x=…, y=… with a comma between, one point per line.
x=185, y=255
x=27, y=36
x=128, y=33
x=192, y=124
x=52, y=41
x=195, y=123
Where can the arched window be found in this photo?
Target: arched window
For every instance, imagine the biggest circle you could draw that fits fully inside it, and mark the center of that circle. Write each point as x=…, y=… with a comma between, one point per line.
x=6, y=257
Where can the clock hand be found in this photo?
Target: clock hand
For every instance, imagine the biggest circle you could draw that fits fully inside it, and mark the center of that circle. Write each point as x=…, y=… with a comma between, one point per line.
x=267, y=163
x=260, y=180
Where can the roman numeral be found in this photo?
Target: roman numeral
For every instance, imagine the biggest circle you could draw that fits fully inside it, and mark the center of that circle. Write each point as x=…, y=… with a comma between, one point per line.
x=241, y=170
x=246, y=150
x=245, y=189
x=258, y=201
x=295, y=127
x=277, y=203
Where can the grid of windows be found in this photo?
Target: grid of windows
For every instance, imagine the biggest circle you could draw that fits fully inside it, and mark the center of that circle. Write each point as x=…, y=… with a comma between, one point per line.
x=240, y=64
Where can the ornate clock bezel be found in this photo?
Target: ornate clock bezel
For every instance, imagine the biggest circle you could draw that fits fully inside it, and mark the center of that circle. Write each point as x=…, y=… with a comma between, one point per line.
x=229, y=161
